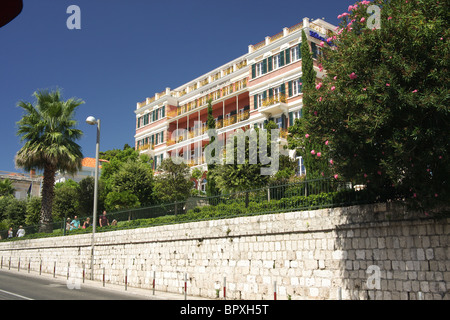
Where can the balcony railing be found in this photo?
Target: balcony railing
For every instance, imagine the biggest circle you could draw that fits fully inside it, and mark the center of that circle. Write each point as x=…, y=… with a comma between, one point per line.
x=280, y=98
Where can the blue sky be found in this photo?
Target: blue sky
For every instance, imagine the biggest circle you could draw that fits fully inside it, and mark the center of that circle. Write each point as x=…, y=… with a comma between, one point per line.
x=125, y=51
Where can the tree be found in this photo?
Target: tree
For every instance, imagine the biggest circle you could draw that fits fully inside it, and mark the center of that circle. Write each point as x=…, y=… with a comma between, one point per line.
x=65, y=202
x=121, y=200
x=86, y=196
x=173, y=184
x=197, y=175
x=245, y=175
x=381, y=116
x=6, y=188
x=211, y=189
x=299, y=136
x=135, y=177
x=48, y=130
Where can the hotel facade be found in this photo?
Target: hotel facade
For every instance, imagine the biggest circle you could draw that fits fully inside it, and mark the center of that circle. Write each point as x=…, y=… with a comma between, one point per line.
x=264, y=84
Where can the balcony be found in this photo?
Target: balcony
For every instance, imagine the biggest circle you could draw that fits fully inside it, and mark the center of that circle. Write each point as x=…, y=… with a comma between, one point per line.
x=274, y=105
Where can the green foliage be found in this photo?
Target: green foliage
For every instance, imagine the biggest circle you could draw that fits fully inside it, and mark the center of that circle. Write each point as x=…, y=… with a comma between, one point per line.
x=121, y=200
x=135, y=177
x=382, y=113
x=33, y=211
x=173, y=183
x=48, y=130
x=6, y=188
x=65, y=203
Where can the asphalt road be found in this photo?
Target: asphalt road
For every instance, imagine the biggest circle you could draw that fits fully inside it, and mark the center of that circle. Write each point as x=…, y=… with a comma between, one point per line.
x=21, y=286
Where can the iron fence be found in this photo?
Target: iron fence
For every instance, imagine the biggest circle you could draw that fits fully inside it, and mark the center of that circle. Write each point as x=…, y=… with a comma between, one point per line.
x=276, y=197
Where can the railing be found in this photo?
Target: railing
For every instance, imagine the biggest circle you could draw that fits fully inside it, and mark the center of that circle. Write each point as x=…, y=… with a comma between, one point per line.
x=273, y=198
x=273, y=100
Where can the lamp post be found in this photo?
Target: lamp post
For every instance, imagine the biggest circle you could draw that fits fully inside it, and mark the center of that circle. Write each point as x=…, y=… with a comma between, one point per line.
x=92, y=121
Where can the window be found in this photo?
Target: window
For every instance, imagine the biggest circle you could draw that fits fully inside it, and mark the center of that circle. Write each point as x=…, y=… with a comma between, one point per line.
x=276, y=61
x=279, y=122
x=295, y=87
x=295, y=53
x=259, y=69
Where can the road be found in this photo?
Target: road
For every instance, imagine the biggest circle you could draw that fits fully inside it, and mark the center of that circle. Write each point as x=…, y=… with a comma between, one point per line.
x=22, y=286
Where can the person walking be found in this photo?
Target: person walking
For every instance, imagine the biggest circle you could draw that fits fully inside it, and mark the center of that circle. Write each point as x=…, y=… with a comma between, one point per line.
x=20, y=232
x=75, y=223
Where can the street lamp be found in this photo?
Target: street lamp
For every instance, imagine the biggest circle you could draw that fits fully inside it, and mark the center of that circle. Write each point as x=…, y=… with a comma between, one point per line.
x=92, y=121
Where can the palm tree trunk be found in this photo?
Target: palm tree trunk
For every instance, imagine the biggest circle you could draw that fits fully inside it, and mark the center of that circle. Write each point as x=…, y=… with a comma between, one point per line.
x=46, y=222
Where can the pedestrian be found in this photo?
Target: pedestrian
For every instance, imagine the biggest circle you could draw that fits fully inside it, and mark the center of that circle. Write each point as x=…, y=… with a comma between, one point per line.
x=68, y=225
x=20, y=232
x=114, y=222
x=87, y=223
x=75, y=223
x=103, y=221
x=10, y=233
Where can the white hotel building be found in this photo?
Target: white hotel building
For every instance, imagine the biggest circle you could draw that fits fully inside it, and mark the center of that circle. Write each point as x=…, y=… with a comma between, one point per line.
x=263, y=84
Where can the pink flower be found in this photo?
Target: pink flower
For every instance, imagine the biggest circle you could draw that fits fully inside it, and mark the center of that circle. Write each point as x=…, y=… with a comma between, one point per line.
x=362, y=19
x=350, y=8
x=415, y=195
x=333, y=88
x=353, y=75
x=321, y=43
x=364, y=89
x=336, y=176
x=335, y=77
x=329, y=39
x=320, y=99
x=326, y=142
x=365, y=175
x=435, y=195
x=319, y=85
x=322, y=174
x=331, y=161
x=319, y=154
x=339, y=17
x=388, y=84
x=315, y=113
x=379, y=172
x=414, y=91
x=389, y=18
x=313, y=152
x=307, y=136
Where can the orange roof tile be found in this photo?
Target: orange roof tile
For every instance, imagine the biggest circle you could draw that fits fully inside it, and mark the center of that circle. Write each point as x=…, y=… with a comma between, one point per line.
x=90, y=162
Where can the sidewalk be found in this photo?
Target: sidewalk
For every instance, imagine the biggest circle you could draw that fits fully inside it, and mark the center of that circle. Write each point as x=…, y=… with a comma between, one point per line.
x=146, y=293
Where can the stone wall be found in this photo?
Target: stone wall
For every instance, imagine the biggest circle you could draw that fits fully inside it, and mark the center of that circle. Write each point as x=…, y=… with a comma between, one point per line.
x=361, y=252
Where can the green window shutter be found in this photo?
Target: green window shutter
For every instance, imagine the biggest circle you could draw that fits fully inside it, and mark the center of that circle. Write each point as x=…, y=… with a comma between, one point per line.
x=301, y=113
x=161, y=157
x=255, y=101
x=163, y=112
x=264, y=68
x=291, y=119
x=153, y=139
x=281, y=58
x=290, y=88
x=270, y=93
x=300, y=50
x=283, y=121
x=269, y=60
x=283, y=88
x=265, y=95
x=155, y=162
x=253, y=71
x=162, y=136
x=288, y=56
x=300, y=85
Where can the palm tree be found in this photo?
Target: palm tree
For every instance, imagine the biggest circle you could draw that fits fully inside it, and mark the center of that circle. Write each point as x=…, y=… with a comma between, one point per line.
x=49, y=132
